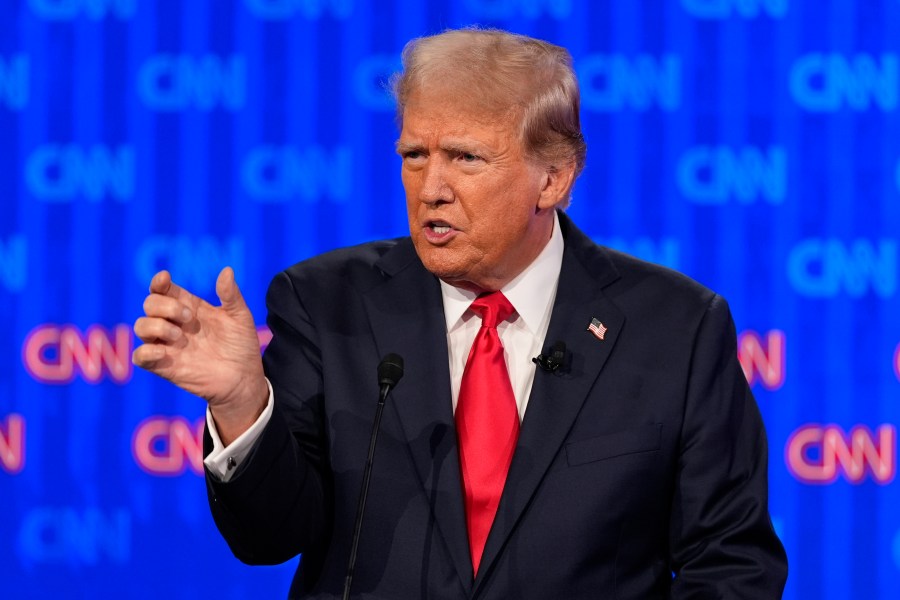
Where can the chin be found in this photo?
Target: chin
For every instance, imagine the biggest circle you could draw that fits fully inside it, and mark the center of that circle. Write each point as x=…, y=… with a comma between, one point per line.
x=440, y=266
x=458, y=277
x=456, y=267
x=442, y=269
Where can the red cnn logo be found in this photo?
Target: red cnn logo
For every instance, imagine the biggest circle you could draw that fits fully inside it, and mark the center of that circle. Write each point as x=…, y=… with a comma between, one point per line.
x=264, y=335
x=167, y=446
x=763, y=360
x=817, y=454
x=897, y=362
x=57, y=353
x=12, y=443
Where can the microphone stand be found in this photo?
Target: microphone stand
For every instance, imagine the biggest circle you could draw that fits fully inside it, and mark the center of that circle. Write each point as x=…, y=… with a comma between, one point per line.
x=389, y=373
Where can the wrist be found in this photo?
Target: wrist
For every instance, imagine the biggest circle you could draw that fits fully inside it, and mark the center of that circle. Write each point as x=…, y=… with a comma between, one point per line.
x=236, y=414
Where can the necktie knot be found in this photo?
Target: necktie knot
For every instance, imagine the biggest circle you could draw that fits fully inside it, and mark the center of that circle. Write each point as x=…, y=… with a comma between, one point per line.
x=493, y=308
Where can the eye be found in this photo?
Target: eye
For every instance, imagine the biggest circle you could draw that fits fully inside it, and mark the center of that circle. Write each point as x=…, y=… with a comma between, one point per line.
x=468, y=157
x=413, y=159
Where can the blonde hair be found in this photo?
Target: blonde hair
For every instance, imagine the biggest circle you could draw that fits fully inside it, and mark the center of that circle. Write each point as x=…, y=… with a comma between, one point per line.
x=503, y=73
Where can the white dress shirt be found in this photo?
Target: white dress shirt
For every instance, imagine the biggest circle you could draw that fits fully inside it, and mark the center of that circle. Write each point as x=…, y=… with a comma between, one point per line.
x=531, y=293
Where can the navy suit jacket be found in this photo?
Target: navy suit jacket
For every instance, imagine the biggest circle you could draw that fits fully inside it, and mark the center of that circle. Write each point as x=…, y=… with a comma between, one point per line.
x=640, y=470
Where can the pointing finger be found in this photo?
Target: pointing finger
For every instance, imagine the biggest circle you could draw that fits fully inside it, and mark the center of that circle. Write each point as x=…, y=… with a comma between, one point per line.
x=160, y=283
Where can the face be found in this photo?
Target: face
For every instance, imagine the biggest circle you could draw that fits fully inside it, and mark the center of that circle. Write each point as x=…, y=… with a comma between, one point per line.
x=479, y=210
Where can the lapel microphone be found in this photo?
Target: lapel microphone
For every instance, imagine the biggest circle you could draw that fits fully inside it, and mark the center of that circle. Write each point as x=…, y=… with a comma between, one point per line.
x=390, y=370
x=553, y=360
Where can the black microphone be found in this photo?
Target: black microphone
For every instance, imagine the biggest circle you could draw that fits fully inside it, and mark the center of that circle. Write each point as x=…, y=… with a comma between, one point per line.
x=554, y=360
x=390, y=370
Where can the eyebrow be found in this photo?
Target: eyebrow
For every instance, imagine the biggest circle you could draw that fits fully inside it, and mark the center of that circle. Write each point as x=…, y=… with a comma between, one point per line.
x=464, y=146
x=403, y=147
x=452, y=146
x=457, y=148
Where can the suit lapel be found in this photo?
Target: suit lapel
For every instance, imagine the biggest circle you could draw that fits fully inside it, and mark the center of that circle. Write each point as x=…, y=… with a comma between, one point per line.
x=407, y=318
x=556, y=398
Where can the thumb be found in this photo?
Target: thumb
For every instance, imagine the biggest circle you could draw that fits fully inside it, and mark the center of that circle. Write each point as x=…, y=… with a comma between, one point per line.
x=228, y=292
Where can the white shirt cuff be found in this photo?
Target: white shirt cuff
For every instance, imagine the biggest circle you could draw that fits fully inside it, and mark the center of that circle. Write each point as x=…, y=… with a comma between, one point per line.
x=224, y=460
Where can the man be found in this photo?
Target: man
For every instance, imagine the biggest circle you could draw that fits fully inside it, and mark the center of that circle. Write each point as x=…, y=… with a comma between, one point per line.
x=632, y=465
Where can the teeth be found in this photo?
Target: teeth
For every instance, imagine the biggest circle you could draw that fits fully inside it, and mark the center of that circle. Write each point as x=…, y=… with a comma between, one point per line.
x=440, y=228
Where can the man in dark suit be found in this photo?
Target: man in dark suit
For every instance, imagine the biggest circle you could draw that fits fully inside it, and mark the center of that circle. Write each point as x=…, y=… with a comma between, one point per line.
x=633, y=465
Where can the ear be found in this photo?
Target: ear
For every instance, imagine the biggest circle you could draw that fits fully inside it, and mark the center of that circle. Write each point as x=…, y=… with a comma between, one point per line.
x=556, y=184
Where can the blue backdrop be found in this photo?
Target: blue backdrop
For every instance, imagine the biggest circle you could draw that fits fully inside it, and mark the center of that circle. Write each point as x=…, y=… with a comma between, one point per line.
x=753, y=144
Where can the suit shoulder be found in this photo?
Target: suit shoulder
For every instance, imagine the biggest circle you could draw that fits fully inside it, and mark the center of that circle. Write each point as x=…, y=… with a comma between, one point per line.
x=656, y=285
x=632, y=282
x=332, y=281
x=355, y=265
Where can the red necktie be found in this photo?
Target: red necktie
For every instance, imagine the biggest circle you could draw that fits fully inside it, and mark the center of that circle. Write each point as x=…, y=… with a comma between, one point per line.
x=487, y=422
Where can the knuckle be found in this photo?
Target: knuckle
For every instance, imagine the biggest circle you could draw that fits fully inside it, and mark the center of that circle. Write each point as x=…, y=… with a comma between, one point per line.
x=160, y=329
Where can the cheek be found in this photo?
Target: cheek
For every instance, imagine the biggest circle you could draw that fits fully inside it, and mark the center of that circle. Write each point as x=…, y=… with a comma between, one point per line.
x=503, y=210
x=408, y=180
x=412, y=195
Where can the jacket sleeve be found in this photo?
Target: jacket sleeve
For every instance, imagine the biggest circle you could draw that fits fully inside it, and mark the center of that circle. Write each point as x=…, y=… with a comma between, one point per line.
x=279, y=502
x=721, y=539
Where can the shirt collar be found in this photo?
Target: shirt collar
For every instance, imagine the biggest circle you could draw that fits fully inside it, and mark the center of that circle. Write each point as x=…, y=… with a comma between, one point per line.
x=530, y=293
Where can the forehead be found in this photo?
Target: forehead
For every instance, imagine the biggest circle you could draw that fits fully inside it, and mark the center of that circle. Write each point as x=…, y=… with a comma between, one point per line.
x=439, y=115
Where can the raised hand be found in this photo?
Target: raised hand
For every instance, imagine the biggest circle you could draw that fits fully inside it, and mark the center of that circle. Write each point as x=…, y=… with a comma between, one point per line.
x=210, y=351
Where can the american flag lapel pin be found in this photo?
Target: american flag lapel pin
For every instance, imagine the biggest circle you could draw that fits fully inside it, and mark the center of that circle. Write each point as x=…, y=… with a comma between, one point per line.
x=597, y=328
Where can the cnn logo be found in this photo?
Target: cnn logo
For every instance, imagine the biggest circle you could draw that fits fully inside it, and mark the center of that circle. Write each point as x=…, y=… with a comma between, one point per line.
x=818, y=454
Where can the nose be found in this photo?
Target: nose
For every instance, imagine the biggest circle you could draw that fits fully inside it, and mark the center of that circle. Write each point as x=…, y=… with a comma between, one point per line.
x=434, y=188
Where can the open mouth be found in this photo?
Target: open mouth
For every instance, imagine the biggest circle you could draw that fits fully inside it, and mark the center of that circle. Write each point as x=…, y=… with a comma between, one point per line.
x=439, y=227
x=439, y=232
